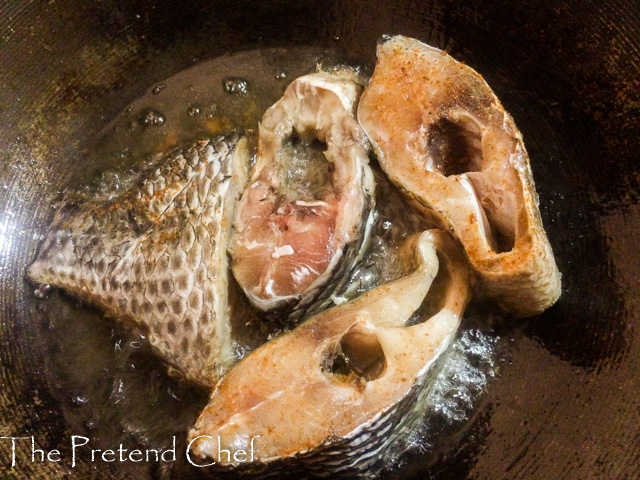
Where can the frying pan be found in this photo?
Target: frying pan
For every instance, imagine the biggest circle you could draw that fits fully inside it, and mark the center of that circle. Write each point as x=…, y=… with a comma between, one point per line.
x=564, y=402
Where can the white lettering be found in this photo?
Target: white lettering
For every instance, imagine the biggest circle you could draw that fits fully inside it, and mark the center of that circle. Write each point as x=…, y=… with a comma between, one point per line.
x=93, y=452
x=13, y=447
x=221, y=451
x=34, y=450
x=53, y=453
x=73, y=448
x=135, y=452
x=252, y=447
x=108, y=452
x=154, y=451
x=121, y=451
x=172, y=451
x=240, y=452
x=189, y=451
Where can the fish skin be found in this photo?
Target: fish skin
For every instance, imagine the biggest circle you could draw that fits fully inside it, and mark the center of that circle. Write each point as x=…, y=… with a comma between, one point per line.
x=322, y=238
x=156, y=254
x=326, y=422
x=415, y=86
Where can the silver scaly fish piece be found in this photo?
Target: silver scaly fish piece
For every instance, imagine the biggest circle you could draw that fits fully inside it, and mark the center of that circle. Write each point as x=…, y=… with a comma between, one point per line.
x=328, y=394
x=444, y=139
x=156, y=255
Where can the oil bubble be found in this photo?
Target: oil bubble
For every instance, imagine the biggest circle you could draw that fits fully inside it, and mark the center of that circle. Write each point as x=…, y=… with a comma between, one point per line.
x=235, y=86
x=42, y=291
x=117, y=391
x=194, y=111
x=158, y=88
x=150, y=117
x=79, y=401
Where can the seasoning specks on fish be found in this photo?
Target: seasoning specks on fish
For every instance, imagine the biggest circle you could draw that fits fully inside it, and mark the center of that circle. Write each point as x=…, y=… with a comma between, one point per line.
x=323, y=393
x=443, y=137
x=156, y=254
x=335, y=391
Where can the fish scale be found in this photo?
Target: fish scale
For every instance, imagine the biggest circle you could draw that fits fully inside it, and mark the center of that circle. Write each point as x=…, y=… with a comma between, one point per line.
x=156, y=254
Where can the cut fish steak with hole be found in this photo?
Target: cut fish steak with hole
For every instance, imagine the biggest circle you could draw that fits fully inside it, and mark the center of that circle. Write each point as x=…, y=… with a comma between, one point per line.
x=330, y=392
x=157, y=254
x=443, y=137
x=304, y=220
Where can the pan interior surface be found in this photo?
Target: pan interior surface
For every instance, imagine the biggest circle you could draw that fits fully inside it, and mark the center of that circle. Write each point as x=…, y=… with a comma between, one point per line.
x=564, y=400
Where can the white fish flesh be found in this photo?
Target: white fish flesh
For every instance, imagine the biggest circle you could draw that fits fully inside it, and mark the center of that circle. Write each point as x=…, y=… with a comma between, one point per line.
x=442, y=136
x=157, y=254
x=329, y=392
x=305, y=218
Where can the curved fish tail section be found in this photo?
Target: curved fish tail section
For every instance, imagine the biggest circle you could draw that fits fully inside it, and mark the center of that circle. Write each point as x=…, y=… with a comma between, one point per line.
x=322, y=394
x=443, y=137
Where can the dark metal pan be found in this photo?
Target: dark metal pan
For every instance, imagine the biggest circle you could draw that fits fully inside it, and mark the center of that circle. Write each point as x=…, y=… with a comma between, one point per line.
x=564, y=402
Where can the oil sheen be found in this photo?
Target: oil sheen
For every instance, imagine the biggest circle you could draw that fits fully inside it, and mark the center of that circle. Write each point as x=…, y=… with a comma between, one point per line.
x=110, y=386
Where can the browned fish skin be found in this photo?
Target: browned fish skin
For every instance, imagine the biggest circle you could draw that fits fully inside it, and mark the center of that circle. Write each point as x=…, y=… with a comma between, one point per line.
x=443, y=137
x=304, y=409
x=157, y=254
